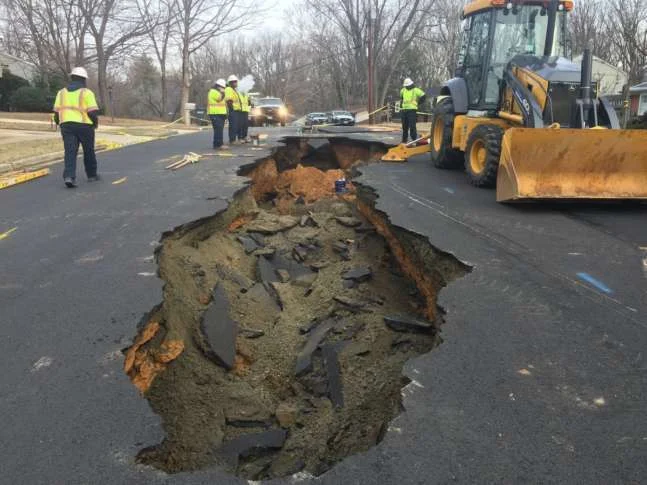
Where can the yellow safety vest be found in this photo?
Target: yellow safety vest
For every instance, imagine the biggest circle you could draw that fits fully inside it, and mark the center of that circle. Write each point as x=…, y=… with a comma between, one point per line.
x=216, y=103
x=232, y=95
x=245, y=102
x=410, y=97
x=73, y=107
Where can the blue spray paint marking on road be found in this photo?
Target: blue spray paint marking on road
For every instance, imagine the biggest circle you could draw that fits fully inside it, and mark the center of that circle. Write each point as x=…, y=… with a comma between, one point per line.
x=449, y=189
x=595, y=282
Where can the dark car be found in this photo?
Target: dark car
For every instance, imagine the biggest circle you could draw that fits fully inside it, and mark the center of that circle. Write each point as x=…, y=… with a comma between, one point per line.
x=341, y=118
x=268, y=111
x=316, y=119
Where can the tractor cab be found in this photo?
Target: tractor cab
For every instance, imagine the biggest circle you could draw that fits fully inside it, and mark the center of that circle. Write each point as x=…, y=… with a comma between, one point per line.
x=495, y=32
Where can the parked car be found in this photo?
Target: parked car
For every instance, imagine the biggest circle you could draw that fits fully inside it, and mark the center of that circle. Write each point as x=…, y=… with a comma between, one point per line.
x=316, y=119
x=268, y=111
x=341, y=118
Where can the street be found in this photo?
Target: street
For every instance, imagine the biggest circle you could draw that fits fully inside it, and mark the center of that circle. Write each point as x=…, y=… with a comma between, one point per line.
x=540, y=377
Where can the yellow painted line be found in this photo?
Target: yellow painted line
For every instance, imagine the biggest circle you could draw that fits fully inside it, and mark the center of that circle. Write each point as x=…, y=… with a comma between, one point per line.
x=5, y=235
x=120, y=181
x=225, y=154
x=20, y=178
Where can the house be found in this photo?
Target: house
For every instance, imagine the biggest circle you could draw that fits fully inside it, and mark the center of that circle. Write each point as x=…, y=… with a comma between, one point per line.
x=610, y=78
x=17, y=66
x=638, y=99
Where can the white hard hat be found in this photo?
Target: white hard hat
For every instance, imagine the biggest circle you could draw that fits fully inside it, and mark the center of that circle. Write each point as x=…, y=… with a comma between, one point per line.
x=80, y=72
x=407, y=82
x=232, y=78
x=221, y=82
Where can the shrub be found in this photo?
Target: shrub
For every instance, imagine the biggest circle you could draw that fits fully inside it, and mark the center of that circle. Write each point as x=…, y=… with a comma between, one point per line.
x=30, y=99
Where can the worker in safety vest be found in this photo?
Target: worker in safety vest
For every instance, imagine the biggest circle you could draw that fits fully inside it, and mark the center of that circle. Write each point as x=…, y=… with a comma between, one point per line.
x=234, y=108
x=410, y=98
x=244, y=116
x=76, y=112
x=217, y=111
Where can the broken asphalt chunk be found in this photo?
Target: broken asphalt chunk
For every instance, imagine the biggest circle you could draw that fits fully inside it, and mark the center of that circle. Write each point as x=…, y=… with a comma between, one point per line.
x=307, y=220
x=360, y=274
x=249, y=244
x=258, y=293
x=265, y=271
x=306, y=328
x=306, y=280
x=251, y=444
x=258, y=238
x=348, y=221
x=219, y=330
x=403, y=323
x=251, y=333
x=304, y=359
x=331, y=364
x=299, y=253
x=349, y=284
x=319, y=265
x=283, y=274
x=352, y=304
x=364, y=229
x=268, y=223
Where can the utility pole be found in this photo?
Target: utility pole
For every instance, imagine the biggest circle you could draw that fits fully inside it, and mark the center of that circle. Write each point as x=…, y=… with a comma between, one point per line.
x=370, y=67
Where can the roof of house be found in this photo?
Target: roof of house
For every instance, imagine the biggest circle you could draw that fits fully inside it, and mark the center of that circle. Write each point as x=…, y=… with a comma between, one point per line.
x=601, y=61
x=639, y=88
x=17, y=66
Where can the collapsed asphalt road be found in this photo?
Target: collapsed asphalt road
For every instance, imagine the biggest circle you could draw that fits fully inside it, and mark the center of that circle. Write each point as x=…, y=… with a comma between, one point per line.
x=539, y=378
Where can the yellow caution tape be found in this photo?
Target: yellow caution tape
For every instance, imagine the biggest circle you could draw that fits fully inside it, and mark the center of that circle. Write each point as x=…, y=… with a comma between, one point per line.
x=5, y=235
x=15, y=179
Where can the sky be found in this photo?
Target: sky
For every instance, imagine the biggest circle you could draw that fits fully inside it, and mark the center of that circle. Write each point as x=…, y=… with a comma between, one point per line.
x=274, y=18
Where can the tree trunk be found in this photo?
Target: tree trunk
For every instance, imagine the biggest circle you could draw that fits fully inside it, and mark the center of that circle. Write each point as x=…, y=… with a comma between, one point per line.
x=186, y=84
x=164, y=93
x=102, y=67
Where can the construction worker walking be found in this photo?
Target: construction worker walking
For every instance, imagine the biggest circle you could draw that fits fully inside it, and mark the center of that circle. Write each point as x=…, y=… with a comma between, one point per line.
x=244, y=117
x=410, y=98
x=234, y=108
x=76, y=112
x=217, y=111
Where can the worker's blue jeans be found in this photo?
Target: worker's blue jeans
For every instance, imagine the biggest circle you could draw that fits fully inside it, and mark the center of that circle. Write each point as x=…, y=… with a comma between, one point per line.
x=233, y=125
x=244, y=124
x=218, y=124
x=409, y=124
x=73, y=135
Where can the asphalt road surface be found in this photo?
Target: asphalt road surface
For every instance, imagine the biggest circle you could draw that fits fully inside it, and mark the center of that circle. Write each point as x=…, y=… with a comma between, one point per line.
x=540, y=379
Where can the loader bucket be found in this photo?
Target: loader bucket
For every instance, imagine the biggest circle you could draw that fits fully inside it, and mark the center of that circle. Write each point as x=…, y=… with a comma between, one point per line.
x=402, y=152
x=546, y=163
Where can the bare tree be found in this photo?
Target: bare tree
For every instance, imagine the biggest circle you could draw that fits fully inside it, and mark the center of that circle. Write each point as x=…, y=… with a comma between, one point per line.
x=113, y=26
x=627, y=31
x=201, y=21
x=395, y=26
x=160, y=17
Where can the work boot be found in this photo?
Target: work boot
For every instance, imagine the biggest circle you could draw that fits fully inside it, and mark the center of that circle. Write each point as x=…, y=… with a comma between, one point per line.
x=69, y=182
x=96, y=178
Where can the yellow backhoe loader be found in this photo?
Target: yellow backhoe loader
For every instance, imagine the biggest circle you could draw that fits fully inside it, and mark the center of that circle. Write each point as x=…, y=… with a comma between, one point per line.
x=522, y=117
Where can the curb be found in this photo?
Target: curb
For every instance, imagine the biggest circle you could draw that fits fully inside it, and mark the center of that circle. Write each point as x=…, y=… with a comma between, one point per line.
x=47, y=159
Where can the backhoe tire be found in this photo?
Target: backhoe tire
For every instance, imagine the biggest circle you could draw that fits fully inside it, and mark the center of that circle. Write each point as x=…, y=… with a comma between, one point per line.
x=442, y=130
x=482, y=155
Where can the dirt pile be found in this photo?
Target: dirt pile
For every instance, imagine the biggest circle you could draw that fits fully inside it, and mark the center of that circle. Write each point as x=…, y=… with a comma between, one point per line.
x=285, y=324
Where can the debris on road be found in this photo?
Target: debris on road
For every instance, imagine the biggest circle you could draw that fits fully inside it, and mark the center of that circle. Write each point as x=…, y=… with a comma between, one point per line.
x=187, y=159
x=15, y=178
x=286, y=361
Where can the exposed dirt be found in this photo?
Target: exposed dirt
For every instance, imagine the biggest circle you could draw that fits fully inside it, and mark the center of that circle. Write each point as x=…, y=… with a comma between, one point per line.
x=298, y=281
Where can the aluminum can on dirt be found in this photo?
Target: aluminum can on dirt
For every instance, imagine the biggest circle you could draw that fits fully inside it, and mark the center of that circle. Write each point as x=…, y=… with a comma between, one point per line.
x=340, y=186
